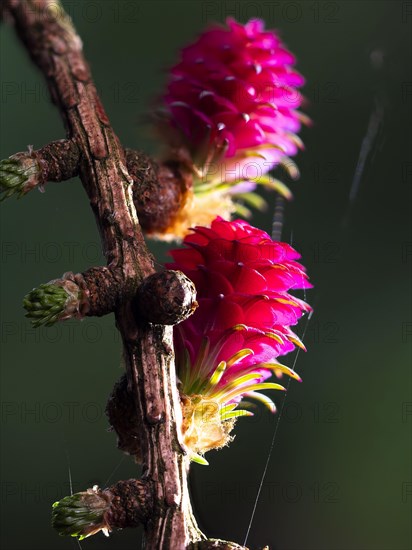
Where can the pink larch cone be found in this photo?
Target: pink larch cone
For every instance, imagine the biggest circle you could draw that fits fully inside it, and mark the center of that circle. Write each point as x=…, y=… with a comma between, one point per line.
x=231, y=116
x=228, y=348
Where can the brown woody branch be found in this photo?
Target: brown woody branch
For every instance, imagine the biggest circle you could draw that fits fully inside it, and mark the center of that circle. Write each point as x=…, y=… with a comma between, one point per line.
x=147, y=348
x=158, y=189
x=165, y=298
x=56, y=161
x=124, y=504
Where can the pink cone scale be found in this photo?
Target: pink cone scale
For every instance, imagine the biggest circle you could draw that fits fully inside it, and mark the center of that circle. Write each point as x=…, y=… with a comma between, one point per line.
x=232, y=112
x=228, y=349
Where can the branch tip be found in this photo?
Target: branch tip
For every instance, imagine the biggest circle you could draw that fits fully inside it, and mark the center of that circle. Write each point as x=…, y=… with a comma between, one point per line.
x=84, y=514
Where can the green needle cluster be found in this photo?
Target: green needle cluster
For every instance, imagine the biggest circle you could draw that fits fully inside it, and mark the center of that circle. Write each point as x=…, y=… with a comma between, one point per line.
x=80, y=515
x=14, y=177
x=45, y=304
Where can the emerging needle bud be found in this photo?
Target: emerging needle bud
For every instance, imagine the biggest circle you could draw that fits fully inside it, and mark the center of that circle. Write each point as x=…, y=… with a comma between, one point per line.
x=52, y=302
x=82, y=514
x=125, y=504
x=15, y=176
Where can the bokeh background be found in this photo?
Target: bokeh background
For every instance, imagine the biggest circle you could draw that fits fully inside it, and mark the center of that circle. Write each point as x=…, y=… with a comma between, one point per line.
x=339, y=477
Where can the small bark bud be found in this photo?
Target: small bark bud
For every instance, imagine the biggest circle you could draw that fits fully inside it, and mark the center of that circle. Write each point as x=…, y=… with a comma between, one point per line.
x=123, y=418
x=166, y=298
x=159, y=191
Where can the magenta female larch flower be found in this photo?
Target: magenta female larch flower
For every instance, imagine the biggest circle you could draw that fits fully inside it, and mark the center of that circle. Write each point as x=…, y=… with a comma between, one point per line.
x=231, y=116
x=230, y=346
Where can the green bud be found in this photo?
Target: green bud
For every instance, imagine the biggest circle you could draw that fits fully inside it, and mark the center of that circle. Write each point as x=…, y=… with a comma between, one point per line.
x=14, y=176
x=46, y=304
x=82, y=514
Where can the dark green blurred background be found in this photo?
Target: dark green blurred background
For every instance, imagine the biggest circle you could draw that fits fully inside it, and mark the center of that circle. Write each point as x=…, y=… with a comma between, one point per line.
x=340, y=473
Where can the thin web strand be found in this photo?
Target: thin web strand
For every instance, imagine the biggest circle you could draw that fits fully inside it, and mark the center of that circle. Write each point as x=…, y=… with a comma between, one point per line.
x=272, y=444
x=114, y=470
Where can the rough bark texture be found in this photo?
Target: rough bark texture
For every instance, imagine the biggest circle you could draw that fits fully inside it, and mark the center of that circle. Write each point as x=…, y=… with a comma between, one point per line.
x=56, y=161
x=148, y=348
x=130, y=504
